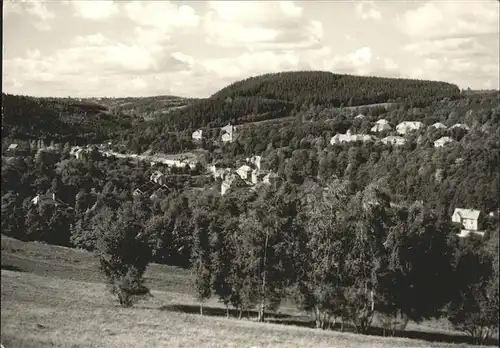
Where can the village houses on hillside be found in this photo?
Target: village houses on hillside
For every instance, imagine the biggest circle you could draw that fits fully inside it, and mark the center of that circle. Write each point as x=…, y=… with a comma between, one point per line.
x=156, y=188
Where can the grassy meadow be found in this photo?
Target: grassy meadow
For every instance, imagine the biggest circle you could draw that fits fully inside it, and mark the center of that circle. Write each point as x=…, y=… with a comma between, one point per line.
x=53, y=297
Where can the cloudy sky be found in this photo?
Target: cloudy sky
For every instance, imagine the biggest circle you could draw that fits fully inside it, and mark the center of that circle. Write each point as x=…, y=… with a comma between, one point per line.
x=105, y=48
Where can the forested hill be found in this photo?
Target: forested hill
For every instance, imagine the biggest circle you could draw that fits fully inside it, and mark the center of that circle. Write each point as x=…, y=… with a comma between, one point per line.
x=286, y=94
x=325, y=88
x=59, y=120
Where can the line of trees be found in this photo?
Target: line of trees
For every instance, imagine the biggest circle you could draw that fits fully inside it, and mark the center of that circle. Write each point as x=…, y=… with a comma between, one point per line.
x=343, y=256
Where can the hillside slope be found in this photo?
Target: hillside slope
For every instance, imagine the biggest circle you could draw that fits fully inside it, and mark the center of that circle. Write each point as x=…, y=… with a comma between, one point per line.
x=278, y=95
x=53, y=297
x=145, y=107
x=59, y=119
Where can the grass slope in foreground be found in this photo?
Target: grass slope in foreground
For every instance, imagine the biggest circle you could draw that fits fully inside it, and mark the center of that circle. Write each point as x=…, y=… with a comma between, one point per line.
x=45, y=303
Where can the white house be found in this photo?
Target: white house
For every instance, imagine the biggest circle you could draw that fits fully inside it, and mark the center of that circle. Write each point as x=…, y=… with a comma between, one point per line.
x=197, y=135
x=439, y=125
x=460, y=125
x=381, y=125
x=394, y=140
x=244, y=172
x=360, y=116
x=408, y=126
x=443, y=141
x=227, y=128
x=228, y=136
x=12, y=147
x=349, y=137
x=469, y=219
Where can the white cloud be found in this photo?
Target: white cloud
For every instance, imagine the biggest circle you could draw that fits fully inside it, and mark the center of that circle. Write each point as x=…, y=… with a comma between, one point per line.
x=360, y=57
x=96, y=10
x=139, y=83
x=260, y=25
x=367, y=10
x=362, y=62
x=93, y=57
x=449, y=47
x=162, y=15
x=454, y=41
x=451, y=19
x=90, y=40
x=460, y=71
x=157, y=21
x=249, y=64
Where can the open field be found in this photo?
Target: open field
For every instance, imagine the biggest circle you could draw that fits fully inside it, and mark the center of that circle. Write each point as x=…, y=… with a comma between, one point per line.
x=53, y=297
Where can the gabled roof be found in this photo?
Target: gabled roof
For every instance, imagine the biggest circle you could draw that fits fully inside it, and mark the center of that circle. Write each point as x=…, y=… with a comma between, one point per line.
x=467, y=213
x=227, y=128
x=438, y=125
x=460, y=125
x=444, y=140
x=410, y=124
x=381, y=127
x=244, y=167
x=13, y=146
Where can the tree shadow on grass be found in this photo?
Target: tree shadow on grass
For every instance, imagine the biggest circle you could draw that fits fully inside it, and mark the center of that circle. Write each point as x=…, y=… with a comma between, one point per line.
x=304, y=321
x=217, y=311
x=12, y=268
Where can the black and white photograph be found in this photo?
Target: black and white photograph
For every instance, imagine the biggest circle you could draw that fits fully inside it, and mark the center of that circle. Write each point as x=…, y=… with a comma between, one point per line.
x=250, y=174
